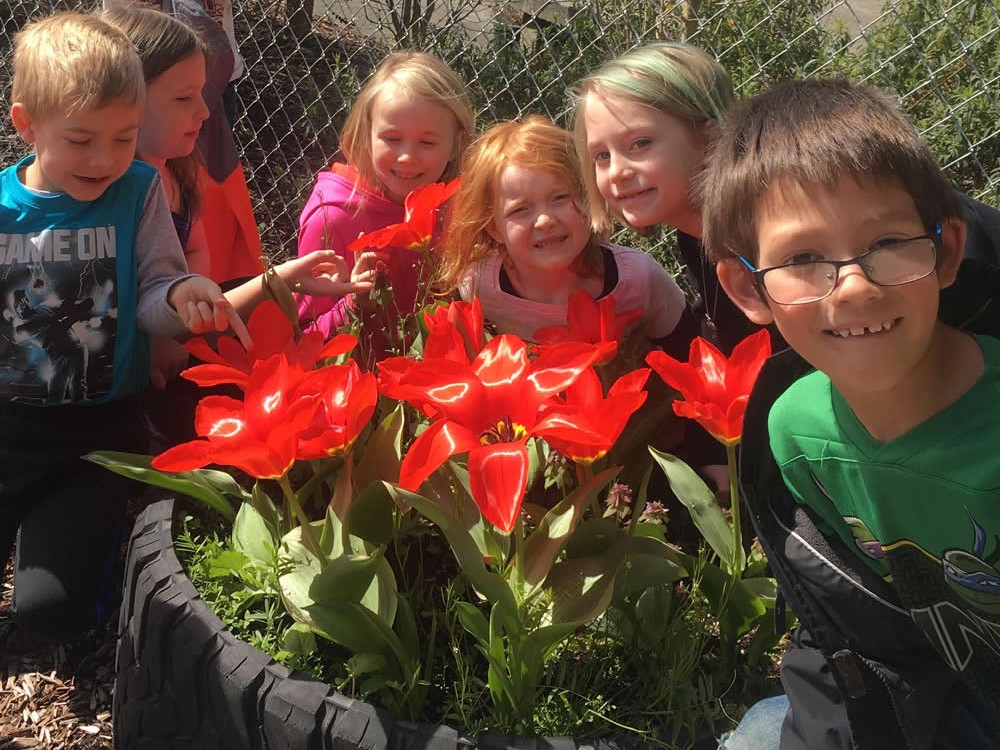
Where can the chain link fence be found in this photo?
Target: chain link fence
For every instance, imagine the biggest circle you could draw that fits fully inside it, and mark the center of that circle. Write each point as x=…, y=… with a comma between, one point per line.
x=305, y=60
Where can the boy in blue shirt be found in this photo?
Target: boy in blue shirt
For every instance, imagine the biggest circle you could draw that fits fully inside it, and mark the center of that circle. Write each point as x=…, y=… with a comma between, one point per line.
x=828, y=217
x=90, y=264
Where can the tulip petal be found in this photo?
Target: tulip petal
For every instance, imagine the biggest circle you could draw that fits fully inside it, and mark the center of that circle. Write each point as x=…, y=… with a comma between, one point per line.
x=342, y=343
x=433, y=447
x=200, y=349
x=678, y=375
x=184, y=457
x=630, y=382
x=746, y=361
x=448, y=387
x=498, y=477
x=559, y=366
x=711, y=417
x=710, y=364
x=217, y=374
x=269, y=329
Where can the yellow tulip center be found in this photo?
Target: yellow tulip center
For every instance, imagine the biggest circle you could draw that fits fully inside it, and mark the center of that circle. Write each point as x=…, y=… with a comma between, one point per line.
x=504, y=431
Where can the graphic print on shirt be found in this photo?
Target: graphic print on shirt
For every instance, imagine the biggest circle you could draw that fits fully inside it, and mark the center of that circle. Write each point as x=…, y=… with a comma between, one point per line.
x=954, y=598
x=59, y=315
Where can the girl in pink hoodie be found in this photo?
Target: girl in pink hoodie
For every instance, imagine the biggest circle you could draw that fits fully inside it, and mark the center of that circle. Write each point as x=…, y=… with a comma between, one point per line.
x=407, y=129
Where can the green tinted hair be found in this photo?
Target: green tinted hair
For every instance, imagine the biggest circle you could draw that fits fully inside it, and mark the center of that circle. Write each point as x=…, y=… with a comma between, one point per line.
x=672, y=77
x=418, y=75
x=73, y=61
x=813, y=132
x=162, y=41
x=534, y=143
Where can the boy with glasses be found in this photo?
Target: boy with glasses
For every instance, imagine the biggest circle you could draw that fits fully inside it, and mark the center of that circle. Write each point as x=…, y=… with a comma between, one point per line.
x=828, y=217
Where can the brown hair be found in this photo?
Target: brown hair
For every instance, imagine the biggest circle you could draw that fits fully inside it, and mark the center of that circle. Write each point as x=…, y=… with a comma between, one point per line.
x=532, y=143
x=162, y=41
x=416, y=74
x=73, y=61
x=813, y=132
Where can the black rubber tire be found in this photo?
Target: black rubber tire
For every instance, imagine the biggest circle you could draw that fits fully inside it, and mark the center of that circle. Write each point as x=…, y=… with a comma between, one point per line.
x=184, y=681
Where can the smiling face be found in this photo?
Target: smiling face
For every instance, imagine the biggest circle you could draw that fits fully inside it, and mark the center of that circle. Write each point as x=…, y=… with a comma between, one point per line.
x=538, y=221
x=866, y=338
x=413, y=140
x=82, y=153
x=643, y=161
x=174, y=112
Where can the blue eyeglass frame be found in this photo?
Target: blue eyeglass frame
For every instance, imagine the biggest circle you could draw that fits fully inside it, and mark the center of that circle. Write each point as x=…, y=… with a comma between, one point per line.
x=758, y=273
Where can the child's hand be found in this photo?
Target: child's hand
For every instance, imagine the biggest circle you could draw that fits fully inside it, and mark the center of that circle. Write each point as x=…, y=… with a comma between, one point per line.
x=369, y=269
x=201, y=306
x=167, y=359
x=323, y=273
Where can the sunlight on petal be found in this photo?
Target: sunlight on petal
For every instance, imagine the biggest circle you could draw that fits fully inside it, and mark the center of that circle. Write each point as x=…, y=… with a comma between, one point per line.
x=226, y=429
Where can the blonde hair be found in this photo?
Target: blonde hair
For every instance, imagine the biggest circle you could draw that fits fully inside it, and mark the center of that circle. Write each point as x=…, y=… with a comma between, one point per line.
x=415, y=74
x=533, y=143
x=162, y=41
x=73, y=61
x=672, y=77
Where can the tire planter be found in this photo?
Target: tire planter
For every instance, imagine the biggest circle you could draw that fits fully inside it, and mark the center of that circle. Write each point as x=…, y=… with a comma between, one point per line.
x=184, y=681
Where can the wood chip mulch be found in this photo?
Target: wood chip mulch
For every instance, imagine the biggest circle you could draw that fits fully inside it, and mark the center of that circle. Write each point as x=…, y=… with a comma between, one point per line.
x=54, y=695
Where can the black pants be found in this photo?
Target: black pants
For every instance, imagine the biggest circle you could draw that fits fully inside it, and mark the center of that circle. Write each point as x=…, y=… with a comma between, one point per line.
x=65, y=514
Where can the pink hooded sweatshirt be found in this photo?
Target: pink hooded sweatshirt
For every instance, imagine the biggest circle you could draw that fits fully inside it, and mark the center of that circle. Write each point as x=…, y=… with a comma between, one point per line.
x=341, y=207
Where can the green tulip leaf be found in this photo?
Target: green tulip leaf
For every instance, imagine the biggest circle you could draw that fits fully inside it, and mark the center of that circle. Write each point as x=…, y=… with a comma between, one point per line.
x=736, y=606
x=581, y=588
x=357, y=629
x=370, y=516
x=253, y=536
x=469, y=555
x=380, y=459
x=405, y=625
x=692, y=491
x=207, y=485
x=263, y=504
x=229, y=562
x=474, y=621
x=362, y=664
x=299, y=639
x=547, y=542
x=649, y=563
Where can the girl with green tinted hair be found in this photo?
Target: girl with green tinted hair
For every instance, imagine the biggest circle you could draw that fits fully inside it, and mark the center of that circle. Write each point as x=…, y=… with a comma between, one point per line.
x=642, y=123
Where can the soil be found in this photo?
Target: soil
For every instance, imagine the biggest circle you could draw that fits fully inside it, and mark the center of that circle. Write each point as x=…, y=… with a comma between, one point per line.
x=54, y=695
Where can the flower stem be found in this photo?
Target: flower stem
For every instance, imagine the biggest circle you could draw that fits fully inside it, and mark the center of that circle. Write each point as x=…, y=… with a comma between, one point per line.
x=734, y=506
x=517, y=540
x=584, y=473
x=308, y=538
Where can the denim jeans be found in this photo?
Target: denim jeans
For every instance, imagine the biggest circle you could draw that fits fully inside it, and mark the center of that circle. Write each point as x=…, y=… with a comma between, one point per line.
x=966, y=724
x=760, y=728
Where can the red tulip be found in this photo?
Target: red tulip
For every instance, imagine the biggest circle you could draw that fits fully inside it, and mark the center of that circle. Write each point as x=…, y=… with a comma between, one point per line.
x=488, y=409
x=417, y=227
x=593, y=322
x=455, y=331
x=348, y=399
x=259, y=435
x=272, y=333
x=715, y=389
x=586, y=425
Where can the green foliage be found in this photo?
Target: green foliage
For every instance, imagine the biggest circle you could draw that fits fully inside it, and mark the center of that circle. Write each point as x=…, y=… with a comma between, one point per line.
x=943, y=58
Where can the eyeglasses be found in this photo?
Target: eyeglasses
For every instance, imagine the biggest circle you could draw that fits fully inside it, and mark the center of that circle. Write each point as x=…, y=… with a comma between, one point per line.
x=891, y=263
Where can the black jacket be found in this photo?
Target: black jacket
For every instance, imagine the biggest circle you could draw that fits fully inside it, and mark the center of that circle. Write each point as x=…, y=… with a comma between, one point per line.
x=860, y=674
